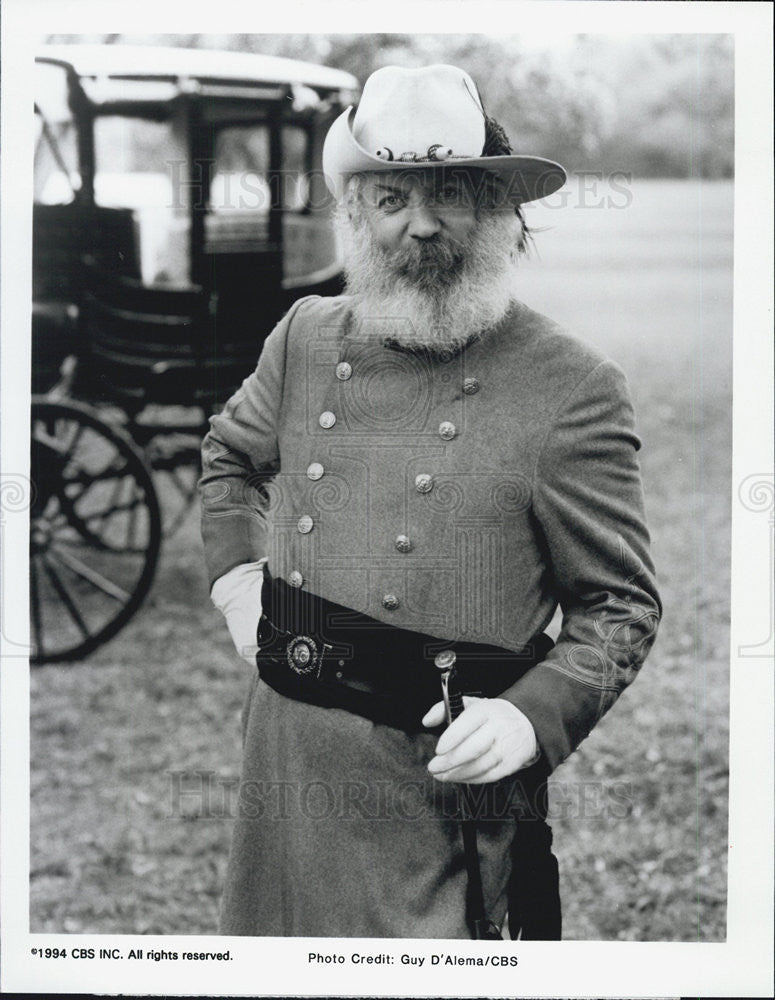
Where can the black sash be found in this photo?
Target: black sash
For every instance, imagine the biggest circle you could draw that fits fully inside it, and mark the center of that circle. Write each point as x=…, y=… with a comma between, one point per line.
x=316, y=651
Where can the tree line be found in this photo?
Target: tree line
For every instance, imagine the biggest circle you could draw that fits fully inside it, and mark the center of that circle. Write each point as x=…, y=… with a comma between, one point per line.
x=646, y=105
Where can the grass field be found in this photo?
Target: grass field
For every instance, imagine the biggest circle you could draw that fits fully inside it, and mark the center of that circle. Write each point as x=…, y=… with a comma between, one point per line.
x=128, y=745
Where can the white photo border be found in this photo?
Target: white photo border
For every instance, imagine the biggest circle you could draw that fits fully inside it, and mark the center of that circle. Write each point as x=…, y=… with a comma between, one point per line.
x=742, y=966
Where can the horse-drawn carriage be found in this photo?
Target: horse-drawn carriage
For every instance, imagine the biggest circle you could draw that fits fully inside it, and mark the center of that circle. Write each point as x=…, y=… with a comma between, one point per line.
x=179, y=210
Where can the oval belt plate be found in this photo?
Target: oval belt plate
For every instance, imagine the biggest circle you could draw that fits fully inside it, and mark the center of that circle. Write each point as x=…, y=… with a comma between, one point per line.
x=302, y=654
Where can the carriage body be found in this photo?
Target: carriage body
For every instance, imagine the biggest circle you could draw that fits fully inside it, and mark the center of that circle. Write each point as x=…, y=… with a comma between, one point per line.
x=179, y=210
x=192, y=178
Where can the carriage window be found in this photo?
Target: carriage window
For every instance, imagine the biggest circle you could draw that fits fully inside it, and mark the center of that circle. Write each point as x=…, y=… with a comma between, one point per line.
x=240, y=174
x=141, y=165
x=56, y=176
x=240, y=170
x=240, y=200
x=134, y=162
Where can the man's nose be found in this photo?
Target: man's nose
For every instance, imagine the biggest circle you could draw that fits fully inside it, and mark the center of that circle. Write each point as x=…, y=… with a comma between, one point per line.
x=423, y=222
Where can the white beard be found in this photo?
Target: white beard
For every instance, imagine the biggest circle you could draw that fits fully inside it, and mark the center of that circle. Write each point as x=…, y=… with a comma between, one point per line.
x=440, y=296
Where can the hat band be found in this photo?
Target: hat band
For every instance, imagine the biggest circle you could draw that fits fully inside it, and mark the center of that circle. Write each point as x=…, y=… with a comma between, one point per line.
x=437, y=153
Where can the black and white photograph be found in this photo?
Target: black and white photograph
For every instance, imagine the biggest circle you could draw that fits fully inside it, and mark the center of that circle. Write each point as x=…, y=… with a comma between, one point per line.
x=387, y=501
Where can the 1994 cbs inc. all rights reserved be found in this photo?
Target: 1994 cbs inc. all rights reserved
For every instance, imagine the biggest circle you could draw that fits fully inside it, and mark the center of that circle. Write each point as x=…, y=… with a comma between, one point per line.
x=84, y=953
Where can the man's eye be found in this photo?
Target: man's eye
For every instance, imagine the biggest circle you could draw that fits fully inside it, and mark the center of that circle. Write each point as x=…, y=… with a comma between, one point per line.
x=448, y=194
x=390, y=201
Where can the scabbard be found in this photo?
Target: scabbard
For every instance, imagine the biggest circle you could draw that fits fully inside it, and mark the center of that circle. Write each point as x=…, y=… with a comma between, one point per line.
x=479, y=924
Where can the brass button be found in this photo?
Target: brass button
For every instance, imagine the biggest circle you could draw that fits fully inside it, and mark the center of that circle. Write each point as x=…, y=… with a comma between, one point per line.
x=295, y=579
x=304, y=524
x=470, y=386
x=315, y=471
x=403, y=544
x=327, y=419
x=447, y=430
x=343, y=371
x=390, y=601
x=423, y=483
x=445, y=660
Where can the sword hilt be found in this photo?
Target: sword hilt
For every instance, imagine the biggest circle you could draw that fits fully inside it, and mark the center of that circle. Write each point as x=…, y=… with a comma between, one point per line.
x=453, y=697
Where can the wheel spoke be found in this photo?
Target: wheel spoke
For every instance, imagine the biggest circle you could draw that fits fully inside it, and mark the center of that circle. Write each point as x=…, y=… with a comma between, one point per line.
x=85, y=477
x=176, y=493
x=92, y=576
x=185, y=488
x=117, y=490
x=65, y=598
x=89, y=545
x=103, y=515
x=55, y=436
x=70, y=448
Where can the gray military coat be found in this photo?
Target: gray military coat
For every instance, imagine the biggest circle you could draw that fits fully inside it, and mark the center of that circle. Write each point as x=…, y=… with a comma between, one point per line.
x=463, y=496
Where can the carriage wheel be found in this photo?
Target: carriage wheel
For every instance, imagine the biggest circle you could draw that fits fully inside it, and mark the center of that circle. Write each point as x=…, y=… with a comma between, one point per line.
x=95, y=530
x=175, y=462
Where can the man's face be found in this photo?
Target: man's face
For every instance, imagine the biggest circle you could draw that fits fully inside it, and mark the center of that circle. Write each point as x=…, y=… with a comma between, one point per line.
x=431, y=250
x=408, y=209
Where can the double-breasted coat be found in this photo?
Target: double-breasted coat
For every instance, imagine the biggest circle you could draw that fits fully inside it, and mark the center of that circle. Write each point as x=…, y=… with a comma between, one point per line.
x=464, y=495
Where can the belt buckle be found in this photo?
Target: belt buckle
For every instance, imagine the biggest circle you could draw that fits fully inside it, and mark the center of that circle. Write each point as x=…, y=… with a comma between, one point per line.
x=303, y=655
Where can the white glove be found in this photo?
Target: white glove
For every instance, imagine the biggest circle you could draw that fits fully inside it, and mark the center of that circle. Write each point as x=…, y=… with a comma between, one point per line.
x=490, y=739
x=237, y=594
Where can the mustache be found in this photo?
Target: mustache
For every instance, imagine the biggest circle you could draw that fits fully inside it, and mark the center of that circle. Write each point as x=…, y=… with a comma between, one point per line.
x=431, y=261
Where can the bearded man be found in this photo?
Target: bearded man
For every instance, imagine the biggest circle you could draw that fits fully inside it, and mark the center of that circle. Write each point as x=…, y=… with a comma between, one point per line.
x=394, y=504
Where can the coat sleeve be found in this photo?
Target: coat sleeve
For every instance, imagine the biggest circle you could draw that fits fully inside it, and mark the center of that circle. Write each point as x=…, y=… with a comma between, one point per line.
x=588, y=502
x=239, y=455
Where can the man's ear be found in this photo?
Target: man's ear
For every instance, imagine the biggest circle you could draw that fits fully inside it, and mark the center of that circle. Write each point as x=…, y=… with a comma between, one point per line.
x=352, y=197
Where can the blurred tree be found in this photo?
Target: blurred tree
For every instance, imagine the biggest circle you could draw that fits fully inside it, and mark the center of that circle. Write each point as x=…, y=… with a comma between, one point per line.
x=651, y=105
x=674, y=106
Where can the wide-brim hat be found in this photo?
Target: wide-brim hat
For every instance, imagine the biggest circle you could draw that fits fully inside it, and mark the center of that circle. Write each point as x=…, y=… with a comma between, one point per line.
x=425, y=119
